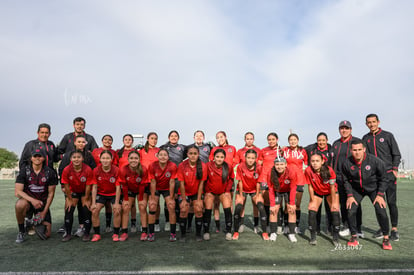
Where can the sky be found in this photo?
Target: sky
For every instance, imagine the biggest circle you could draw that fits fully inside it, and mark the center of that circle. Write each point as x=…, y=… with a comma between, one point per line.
x=238, y=66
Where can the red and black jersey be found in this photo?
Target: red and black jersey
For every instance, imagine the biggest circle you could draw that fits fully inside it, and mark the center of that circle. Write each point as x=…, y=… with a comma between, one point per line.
x=106, y=181
x=162, y=176
x=383, y=145
x=77, y=180
x=320, y=186
x=149, y=157
x=188, y=175
x=326, y=153
x=249, y=178
x=296, y=158
x=230, y=153
x=123, y=157
x=132, y=181
x=268, y=157
x=36, y=185
x=287, y=183
x=240, y=155
x=96, y=153
x=214, y=183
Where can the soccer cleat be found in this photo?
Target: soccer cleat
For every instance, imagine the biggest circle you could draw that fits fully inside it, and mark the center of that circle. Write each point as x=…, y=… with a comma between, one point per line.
x=265, y=236
x=31, y=231
x=80, y=232
x=361, y=235
x=268, y=229
x=353, y=241
x=386, y=245
x=86, y=238
x=144, y=236
x=20, y=237
x=41, y=231
x=394, y=236
x=108, y=229
x=157, y=227
x=378, y=234
x=67, y=238
x=124, y=237
x=229, y=237
x=61, y=229
x=206, y=236
x=173, y=237
x=279, y=230
x=292, y=238
x=235, y=236
x=241, y=228
x=167, y=226
x=96, y=237
x=335, y=242
x=256, y=229
x=151, y=237
x=297, y=230
x=344, y=232
x=273, y=237
x=115, y=237
x=313, y=241
x=133, y=229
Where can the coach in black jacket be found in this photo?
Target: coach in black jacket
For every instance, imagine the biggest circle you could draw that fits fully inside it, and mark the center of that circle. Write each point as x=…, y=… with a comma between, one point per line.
x=383, y=145
x=364, y=175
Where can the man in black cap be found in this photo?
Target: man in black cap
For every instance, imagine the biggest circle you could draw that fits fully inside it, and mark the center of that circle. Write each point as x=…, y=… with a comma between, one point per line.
x=341, y=150
x=35, y=189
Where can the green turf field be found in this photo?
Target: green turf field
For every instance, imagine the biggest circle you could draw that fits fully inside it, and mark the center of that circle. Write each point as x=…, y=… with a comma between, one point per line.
x=250, y=254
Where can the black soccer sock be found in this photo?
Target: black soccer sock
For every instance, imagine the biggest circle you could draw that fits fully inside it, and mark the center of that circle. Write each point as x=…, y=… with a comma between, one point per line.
x=166, y=213
x=190, y=220
x=256, y=221
x=292, y=226
x=227, y=219
x=116, y=230
x=237, y=219
x=108, y=219
x=263, y=217
x=280, y=217
x=177, y=208
x=183, y=226
x=199, y=225
x=97, y=230
x=241, y=220
x=157, y=221
x=144, y=229
x=312, y=223
x=87, y=215
x=318, y=219
x=69, y=219
x=151, y=228
x=285, y=218
x=133, y=222
x=267, y=209
x=21, y=227
x=298, y=217
x=173, y=228
x=273, y=227
x=207, y=220
x=336, y=224
x=124, y=230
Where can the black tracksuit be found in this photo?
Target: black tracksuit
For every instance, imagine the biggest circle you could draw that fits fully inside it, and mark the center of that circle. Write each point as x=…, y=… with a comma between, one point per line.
x=383, y=145
x=67, y=143
x=49, y=149
x=367, y=178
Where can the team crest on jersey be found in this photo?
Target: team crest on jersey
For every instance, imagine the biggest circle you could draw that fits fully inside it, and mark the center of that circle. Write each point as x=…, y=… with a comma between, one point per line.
x=230, y=150
x=112, y=180
x=127, y=178
x=352, y=168
x=83, y=179
x=43, y=179
x=255, y=176
x=287, y=181
x=179, y=148
x=381, y=139
x=369, y=141
x=168, y=175
x=70, y=177
x=205, y=149
x=138, y=180
x=367, y=167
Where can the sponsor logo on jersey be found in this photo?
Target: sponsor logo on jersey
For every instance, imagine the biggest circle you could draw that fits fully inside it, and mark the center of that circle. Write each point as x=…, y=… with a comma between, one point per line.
x=368, y=167
x=168, y=175
x=112, y=179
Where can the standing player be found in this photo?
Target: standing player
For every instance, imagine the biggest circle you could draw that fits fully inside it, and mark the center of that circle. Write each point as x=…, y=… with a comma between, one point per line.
x=162, y=175
x=341, y=150
x=106, y=145
x=282, y=184
x=35, y=189
x=219, y=183
x=106, y=187
x=131, y=178
x=191, y=174
x=296, y=156
x=383, y=145
x=77, y=178
x=248, y=173
x=321, y=181
x=364, y=175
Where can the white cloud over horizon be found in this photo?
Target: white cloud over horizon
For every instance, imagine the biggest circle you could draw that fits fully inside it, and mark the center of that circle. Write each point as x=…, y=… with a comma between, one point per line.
x=262, y=66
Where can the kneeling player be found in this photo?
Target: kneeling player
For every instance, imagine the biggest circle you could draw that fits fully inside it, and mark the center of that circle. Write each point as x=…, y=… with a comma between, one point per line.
x=322, y=184
x=35, y=189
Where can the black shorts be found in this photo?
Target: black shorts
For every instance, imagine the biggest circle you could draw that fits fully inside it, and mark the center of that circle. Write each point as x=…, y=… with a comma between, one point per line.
x=33, y=211
x=299, y=188
x=322, y=196
x=77, y=195
x=264, y=186
x=281, y=196
x=189, y=199
x=164, y=193
x=104, y=199
x=132, y=194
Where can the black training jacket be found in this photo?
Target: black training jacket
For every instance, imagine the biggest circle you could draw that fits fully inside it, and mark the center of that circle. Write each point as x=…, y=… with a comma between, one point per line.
x=340, y=152
x=49, y=148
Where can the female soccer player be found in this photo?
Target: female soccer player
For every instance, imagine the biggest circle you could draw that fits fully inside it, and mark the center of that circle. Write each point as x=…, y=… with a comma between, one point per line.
x=106, y=145
x=204, y=148
x=77, y=178
x=191, y=174
x=131, y=178
x=230, y=150
x=282, y=182
x=322, y=183
x=162, y=174
x=106, y=187
x=218, y=185
x=296, y=156
x=248, y=173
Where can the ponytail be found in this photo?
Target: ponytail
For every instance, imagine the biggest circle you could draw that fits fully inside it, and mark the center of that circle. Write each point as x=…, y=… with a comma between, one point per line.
x=274, y=178
x=225, y=172
x=199, y=174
